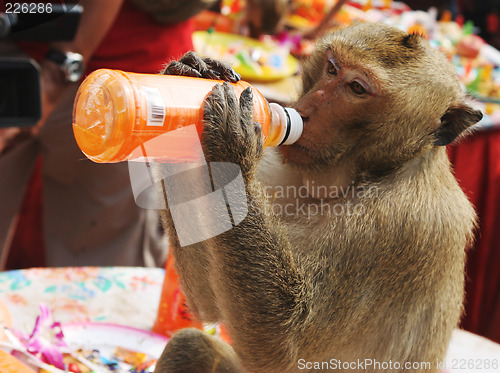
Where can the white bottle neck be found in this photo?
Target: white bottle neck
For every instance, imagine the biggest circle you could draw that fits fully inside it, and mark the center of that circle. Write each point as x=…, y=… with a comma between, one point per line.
x=289, y=124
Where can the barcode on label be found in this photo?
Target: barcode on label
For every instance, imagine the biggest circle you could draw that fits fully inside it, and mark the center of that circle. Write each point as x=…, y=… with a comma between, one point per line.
x=156, y=106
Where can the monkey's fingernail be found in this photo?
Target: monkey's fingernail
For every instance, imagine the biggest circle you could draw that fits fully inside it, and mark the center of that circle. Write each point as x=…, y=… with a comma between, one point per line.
x=232, y=76
x=227, y=87
x=217, y=89
x=247, y=93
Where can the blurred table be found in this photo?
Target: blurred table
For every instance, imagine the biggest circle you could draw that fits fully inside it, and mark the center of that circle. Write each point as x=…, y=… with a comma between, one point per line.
x=284, y=91
x=129, y=296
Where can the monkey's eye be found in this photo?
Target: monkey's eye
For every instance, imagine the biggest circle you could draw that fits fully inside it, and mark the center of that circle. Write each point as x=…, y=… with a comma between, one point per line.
x=357, y=88
x=331, y=67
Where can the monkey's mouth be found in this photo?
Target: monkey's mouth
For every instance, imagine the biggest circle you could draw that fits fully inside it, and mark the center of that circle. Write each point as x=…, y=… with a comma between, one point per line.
x=302, y=148
x=297, y=144
x=297, y=154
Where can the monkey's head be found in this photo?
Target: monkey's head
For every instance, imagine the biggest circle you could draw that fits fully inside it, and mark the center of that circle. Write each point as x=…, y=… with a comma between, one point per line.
x=375, y=97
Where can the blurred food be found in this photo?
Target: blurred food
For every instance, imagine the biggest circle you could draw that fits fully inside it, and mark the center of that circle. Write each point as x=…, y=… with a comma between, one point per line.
x=253, y=59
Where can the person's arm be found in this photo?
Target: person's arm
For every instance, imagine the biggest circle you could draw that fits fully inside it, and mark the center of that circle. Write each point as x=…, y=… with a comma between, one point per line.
x=97, y=18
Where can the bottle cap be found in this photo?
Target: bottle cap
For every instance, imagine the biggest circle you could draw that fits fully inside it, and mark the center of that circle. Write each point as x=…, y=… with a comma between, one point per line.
x=296, y=126
x=291, y=124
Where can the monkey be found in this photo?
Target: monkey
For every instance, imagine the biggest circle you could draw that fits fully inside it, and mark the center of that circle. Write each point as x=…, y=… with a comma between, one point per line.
x=165, y=12
x=365, y=270
x=265, y=16
x=260, y=16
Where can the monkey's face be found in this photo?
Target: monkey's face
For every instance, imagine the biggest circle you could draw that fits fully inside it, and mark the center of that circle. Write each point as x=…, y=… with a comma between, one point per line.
x=373, y=97
x=343, y=99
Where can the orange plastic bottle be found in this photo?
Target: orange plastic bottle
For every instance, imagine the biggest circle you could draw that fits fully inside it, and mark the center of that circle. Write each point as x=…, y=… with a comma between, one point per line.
x=116, y=112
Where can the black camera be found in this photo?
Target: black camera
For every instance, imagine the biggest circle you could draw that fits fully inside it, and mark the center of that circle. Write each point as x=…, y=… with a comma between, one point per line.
x=20, y=96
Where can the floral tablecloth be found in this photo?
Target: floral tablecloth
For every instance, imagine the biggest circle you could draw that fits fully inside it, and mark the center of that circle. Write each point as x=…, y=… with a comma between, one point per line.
x=130, y=296
x=118, y=295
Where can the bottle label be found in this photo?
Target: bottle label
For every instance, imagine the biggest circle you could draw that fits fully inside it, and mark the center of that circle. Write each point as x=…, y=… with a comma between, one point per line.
x=156, y=106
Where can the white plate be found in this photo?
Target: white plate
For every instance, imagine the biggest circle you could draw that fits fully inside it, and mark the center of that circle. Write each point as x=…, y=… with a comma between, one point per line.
x=106, y=337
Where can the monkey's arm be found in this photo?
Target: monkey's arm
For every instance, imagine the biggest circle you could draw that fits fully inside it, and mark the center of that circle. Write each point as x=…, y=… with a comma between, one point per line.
x=192, y=262
x=258, y=286
x=247, y=275
x=260, y=291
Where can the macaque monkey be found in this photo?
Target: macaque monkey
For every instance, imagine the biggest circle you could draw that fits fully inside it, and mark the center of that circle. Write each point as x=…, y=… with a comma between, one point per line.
x=265, y=16
x=261, y=16
x=369, y=262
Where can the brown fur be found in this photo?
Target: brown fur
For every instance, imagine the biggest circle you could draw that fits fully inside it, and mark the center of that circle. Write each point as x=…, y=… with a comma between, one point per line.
x=384, y=282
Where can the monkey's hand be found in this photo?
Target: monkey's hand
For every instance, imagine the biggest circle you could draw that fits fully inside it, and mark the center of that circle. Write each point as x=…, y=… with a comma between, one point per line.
x=230, y=133
x=192, y=65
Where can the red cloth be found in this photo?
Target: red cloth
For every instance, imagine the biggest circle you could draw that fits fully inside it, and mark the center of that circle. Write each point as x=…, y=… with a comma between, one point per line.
x=477, y=168
x=138, y=44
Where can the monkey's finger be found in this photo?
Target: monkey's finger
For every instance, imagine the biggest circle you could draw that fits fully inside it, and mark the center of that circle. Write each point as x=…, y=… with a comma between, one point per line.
x=178, y=68
x=259, y=139
x=193, y=60
x=223, y=71
x=214, y=107
x=233, y=111
x=246, y=112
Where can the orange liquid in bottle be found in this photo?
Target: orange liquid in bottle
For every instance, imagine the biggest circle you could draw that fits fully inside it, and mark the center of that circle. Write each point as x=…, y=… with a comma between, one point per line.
x=116, y=112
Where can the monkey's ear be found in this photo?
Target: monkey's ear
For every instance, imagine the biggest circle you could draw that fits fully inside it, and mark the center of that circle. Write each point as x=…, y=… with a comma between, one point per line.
x=455, y=120
x=412, y=40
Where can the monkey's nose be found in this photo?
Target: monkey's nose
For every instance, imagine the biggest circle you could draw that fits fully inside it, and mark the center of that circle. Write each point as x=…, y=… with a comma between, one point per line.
x=302, y=114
